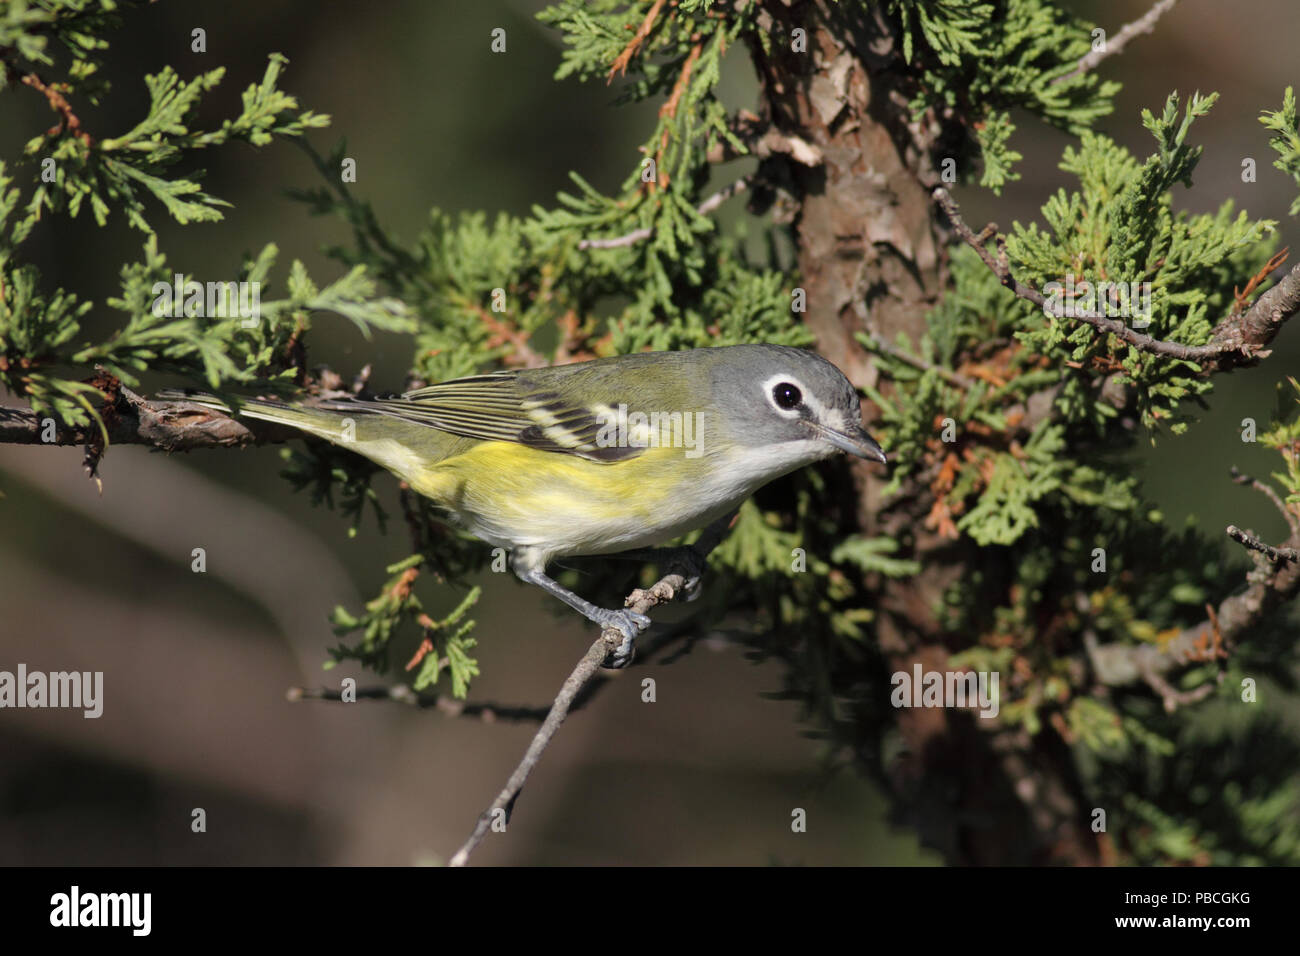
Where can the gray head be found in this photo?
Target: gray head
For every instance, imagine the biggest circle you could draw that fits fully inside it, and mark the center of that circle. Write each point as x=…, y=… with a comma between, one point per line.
x=791, y=397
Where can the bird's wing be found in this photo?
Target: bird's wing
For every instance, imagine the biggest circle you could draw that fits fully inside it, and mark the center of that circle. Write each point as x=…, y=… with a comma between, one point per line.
x=500, y=407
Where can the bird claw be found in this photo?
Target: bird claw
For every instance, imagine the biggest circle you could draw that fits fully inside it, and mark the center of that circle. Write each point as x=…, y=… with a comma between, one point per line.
x=629, y=624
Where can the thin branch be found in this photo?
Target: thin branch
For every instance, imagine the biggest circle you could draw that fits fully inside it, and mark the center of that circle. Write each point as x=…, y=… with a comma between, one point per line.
x=640, y=235
x=1172, y=697
x=1144, y=24
x=1268, y=587
x=1237, y=340
x=669, y=108
x=68, y=120
x=1254, y=329
x=1120, y=664
x=587, y=668
x=641, y=601
x=629, y=51
x=1253, y=543
x=1241, y=299
x=1292, y=519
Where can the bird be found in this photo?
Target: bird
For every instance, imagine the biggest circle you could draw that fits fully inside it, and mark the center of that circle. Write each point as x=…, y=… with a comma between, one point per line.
x=612, y=455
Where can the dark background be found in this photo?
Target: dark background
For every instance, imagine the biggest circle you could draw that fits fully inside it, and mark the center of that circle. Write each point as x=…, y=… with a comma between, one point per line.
x=196, y=666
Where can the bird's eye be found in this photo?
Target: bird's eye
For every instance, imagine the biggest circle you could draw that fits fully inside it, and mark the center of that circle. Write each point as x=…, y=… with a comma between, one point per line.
x=787, y=396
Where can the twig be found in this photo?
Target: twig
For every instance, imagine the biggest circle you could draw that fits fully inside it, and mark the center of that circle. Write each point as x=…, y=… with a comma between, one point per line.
x=1118, y=664
x=1267, y=589
x=1144, y=24
x=1241, y=299
x=1171, y=696
x=1292, y=519
x=1237, y=340
x=640, y=235
x=641, y=601
x=68, y=120
x=629, y=51
x=587, y=668
x=669, y=109
x=1254, y=544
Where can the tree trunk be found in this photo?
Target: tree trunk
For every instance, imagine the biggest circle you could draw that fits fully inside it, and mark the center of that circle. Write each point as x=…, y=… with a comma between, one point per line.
x=872, y=258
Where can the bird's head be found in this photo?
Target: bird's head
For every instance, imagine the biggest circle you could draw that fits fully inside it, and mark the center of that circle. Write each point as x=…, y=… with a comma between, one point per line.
x=792, y=401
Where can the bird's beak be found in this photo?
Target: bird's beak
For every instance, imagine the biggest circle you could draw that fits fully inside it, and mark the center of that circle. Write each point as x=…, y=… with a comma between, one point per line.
x=858, y=443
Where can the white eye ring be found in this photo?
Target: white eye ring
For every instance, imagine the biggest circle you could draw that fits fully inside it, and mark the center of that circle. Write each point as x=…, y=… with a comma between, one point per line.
x=778, y=380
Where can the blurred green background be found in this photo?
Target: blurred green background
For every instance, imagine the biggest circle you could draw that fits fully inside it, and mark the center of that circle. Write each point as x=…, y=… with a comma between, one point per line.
x=196, y=666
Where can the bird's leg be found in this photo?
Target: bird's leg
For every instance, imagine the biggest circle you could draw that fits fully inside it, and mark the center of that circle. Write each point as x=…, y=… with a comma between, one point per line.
x=627, y=622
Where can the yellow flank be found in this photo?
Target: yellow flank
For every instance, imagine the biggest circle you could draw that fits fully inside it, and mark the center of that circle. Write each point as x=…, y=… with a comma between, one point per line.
x=511, y=494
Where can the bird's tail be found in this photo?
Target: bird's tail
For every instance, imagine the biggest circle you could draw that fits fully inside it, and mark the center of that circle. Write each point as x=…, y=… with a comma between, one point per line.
x=408, y=449
x=331, y=422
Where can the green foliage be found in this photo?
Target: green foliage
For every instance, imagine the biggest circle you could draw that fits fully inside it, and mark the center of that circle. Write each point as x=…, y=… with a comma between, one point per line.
x=41, y=329
x=999, y=159
x=1019, y=422
x=226, y=347
x=449, y=641
x=1286, y=143
x=681, y=58
x=112, y=172
x=1284, y=438
x=320, y=467
x=874, y=554
x=29, y=29
x=1120, y=228
x=984, y=58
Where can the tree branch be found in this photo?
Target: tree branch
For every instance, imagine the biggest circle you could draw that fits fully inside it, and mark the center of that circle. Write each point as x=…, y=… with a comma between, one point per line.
x=167, y=425
x=641, y=601
x=1252, y=543
x=1143, y=24
x=1273, y=582
x=1292, y=518
x=1237, y=340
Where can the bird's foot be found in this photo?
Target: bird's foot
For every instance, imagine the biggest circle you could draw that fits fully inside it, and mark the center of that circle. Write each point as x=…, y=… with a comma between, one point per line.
x=628, y=624
x=690, y=565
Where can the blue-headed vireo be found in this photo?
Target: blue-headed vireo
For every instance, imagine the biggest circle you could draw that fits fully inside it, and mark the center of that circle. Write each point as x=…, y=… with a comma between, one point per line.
x=599, y=457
